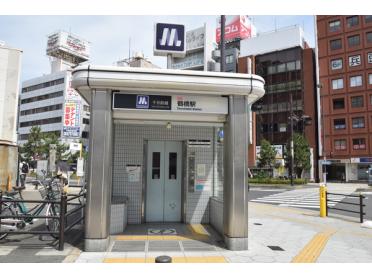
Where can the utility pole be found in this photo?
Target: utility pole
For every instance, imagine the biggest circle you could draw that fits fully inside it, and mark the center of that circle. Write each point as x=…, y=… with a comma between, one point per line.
x=222, y=43
x=291, y=144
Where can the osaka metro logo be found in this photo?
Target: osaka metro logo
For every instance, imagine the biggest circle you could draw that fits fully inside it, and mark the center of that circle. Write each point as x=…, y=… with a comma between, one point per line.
x=142, y=102
x=169, y=38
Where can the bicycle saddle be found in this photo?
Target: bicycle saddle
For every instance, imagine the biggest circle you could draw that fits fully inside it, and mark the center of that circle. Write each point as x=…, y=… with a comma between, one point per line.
x=19, y=188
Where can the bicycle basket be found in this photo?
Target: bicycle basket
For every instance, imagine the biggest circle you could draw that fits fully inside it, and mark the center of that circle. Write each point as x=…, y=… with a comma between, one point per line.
x=43, y=192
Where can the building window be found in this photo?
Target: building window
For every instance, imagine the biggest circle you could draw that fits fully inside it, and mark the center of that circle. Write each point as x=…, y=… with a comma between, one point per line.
x=229, y=59
x=352, y=21
x=358, y=122
x=353, y=40
x=338, y=103
x=357, y=102
x=43, y=85
x=42, y=97
x=86, y=108
x=355, y=60
x=339, y=124
x=356, y=81
x=337, y=84
x=369, y=58
x=368, y=18
x=359, y=144
x=85, y=135
x=282, y=127
x=334, y=25
x=42, y=109
x=369, y=37
x=336, y=64
x=281, y=68
x=336, y=44
x=340, y=144
x=370, y=79
x=86, y=121
x=41, y=122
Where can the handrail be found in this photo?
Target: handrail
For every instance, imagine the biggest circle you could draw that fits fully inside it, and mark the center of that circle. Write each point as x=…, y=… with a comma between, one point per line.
x=360, y=204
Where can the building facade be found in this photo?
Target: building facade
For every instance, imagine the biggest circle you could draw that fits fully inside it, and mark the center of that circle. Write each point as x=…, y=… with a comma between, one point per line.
x=345, y=81
x=288, y=68
x=49, y=101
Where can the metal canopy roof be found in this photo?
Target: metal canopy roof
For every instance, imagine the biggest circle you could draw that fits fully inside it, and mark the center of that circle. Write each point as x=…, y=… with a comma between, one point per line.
x=164, y=81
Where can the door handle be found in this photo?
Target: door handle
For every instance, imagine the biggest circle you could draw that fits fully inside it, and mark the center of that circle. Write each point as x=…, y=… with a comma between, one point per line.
x=172, y=205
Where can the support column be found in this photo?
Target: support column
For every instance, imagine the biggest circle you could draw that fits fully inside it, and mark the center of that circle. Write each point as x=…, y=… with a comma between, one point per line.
x=97, y=212
x=235, y=190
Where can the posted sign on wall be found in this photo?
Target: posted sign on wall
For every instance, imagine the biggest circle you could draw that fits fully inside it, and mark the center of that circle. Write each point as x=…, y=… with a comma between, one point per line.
x=176, y=103
x=200, y=104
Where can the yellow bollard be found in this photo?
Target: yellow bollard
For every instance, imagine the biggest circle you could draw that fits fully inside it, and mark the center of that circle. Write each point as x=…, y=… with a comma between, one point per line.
x=323, y=201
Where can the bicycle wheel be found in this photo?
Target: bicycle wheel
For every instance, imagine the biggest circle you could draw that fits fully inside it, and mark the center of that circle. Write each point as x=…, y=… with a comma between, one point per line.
x=7, y=211
x=53, y=224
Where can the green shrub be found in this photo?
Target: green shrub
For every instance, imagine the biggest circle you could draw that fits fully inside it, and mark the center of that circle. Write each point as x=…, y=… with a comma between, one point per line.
x=276, y=181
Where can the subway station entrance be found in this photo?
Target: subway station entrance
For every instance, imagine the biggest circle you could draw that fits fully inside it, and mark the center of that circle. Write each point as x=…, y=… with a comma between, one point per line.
x=156, y=148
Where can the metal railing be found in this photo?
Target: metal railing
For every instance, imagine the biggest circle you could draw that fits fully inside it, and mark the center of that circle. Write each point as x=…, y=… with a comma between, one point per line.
x=62, y=216
x=360, y=204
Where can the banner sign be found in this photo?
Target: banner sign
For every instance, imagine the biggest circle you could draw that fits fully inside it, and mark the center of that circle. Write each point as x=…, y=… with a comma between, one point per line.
x=236, y=27
x=71, y=114
x=63, y=41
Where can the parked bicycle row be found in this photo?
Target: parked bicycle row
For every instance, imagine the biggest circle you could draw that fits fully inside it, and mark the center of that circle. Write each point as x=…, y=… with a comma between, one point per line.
x=17, y=213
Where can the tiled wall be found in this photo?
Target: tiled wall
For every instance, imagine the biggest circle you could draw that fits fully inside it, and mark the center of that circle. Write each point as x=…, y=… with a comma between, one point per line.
x=128, y=149
x=216, y=214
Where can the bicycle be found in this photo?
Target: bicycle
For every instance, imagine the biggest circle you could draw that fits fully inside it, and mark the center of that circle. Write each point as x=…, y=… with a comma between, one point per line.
x=50, y=190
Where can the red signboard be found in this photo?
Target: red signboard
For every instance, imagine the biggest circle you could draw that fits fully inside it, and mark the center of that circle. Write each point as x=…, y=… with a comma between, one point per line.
x=236, y=27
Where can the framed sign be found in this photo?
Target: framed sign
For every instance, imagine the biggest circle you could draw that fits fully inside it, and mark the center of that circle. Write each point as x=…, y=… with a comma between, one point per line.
x=141, y=101
x=170, y=39
x=355, y=61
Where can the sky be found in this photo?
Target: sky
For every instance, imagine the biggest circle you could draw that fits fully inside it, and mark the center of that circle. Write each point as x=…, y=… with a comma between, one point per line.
x=109, y=35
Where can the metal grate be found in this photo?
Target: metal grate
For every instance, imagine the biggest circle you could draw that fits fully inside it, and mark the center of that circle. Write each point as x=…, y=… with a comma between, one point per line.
x=276, y=248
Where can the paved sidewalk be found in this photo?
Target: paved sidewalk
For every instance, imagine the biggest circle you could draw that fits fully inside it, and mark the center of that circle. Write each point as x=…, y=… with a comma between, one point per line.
x=275, y=235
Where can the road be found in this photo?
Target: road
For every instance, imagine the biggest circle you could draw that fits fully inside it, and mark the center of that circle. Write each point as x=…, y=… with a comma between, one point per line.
x=309, y=198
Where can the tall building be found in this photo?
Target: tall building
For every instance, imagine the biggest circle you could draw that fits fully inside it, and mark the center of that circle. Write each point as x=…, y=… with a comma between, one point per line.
x=288, y=67
x=49, y=101
x=345, y=81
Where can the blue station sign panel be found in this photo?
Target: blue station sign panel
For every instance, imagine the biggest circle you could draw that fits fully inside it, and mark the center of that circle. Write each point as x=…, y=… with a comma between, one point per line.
x=170, y=39
x=142, y=102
